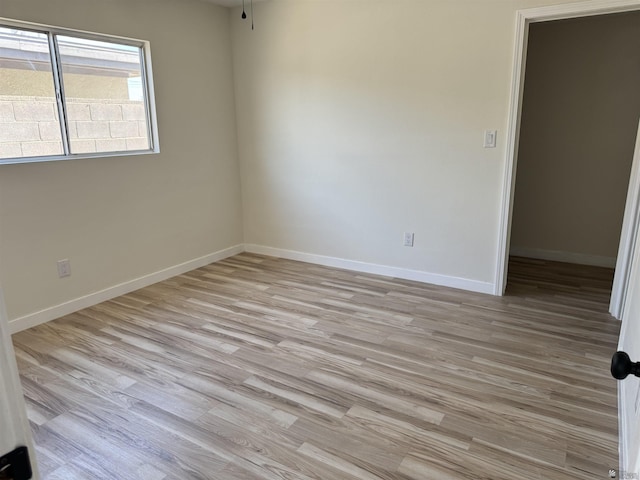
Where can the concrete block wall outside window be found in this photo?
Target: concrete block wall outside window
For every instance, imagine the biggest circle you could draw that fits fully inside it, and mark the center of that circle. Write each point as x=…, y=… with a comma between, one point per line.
x=99, y=91
x=29, y=126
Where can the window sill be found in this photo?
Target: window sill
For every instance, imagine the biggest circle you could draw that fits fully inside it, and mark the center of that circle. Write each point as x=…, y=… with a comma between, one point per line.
x=80, y=156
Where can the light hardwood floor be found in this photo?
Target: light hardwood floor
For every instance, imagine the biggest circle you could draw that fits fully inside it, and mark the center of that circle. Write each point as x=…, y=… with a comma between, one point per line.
x=262, y=368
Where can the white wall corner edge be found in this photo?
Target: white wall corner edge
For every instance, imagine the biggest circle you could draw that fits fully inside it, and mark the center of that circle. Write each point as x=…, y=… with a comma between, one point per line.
x=364, y=267
x=57, y=311
x=567, y=257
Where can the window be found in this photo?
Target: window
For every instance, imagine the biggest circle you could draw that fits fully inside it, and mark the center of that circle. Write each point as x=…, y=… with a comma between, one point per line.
x=66, y=94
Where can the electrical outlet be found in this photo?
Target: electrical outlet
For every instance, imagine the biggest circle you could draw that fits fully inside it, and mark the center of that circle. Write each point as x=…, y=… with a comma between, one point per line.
x=64, y=268
x=408, y=239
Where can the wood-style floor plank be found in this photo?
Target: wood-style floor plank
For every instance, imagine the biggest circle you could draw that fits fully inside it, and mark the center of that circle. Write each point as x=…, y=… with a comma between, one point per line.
x=263, y=368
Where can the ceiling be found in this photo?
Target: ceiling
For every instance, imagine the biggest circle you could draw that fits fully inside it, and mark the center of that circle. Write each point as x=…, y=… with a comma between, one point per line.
x=232, y=3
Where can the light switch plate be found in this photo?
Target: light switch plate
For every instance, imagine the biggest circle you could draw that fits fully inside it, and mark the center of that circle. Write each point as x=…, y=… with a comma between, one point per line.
x=490, y=138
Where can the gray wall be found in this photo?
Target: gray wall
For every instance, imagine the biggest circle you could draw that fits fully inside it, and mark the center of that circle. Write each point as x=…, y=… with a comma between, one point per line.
x=358, y=121
x=121, y=218
x=579, y=122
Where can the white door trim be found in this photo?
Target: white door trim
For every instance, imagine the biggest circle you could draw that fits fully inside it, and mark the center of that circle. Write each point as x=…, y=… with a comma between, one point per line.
x=523, y=19
x=628, y=237
x=14, y=425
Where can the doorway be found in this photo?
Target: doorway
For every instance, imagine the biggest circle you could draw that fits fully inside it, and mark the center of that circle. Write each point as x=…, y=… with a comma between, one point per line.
x=580, y=111
x=581, y=94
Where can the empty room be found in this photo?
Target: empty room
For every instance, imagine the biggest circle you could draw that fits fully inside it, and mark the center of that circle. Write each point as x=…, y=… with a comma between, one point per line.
x=285, y=239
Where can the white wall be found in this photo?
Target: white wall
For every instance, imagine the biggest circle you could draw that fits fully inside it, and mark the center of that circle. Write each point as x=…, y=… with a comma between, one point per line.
x=580, y=116
x=118, y=219
x=358, y=121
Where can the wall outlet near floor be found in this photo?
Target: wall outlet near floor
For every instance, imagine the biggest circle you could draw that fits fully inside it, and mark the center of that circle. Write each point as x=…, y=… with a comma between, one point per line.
x=408, y=239
x=64, y=268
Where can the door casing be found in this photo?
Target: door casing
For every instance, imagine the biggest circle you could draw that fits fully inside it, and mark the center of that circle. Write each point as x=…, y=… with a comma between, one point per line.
x=14, y=425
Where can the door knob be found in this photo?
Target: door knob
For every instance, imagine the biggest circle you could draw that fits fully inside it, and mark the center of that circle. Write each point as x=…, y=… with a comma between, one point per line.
x=621, y=366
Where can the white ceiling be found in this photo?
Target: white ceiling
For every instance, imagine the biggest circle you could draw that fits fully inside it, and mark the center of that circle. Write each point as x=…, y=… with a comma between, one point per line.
x=232, y=3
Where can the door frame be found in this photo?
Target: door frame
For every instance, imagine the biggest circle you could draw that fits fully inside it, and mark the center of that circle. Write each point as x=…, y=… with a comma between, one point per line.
x=628, y=237
x=523, y=19
x=14, y=423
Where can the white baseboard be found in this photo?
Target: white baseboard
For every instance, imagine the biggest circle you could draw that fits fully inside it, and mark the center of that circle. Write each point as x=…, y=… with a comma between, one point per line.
x=407, y=274
x=57, y=311
x=568, y=257
x=43, y=316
